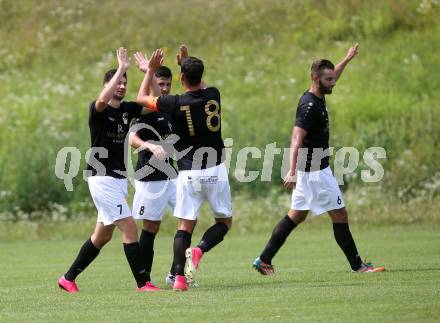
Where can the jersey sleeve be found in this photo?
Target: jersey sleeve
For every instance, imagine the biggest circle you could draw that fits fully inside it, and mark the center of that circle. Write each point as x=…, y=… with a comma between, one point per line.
x=92, y=110
x=142, y=131
x=167, y=103
x=305, y=116
x=134, y=110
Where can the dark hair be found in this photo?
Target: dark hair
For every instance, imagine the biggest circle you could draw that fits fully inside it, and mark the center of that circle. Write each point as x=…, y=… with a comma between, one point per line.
x=164, y=72
x=109, y=74
x=320, y=65
x=192, y=68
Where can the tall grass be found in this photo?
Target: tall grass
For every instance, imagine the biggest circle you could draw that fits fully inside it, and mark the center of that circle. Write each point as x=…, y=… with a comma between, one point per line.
x=258, y=53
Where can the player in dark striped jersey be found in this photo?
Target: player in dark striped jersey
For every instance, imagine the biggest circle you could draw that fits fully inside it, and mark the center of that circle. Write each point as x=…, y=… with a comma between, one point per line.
x=196, y=120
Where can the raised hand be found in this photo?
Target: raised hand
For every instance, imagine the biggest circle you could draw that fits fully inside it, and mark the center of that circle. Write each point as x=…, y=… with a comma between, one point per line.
x=183, y=53
x=141, y=61
x=123, y=61
x=156, y=59
x=352, y=52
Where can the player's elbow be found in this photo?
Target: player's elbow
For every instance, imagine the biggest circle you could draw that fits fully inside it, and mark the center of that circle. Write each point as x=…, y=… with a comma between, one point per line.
x=100, y=105
x=131, y=139
x=140, y=100
x=296, y=142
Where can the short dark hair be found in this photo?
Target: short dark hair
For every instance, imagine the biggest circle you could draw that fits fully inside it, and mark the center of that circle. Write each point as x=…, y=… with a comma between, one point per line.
x=164, y=72
x=320, y=65
x=192, y=68
x=109, y=74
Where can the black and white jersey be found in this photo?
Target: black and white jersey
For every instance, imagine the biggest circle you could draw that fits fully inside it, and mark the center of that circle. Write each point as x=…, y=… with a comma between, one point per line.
x=312, y=116
x=155, y=127
x=196, y=120
x=108, y=130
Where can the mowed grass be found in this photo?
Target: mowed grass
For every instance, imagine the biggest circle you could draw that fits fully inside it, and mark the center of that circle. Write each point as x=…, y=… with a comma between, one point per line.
x=313, y=282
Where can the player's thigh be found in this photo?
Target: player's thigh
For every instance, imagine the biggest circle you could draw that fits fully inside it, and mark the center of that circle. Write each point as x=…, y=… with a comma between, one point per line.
x=172, y=195
x=109, y=195
x=189, y=196
x=151, y=199
x=218, y=193
x=300, y=194
x=326, y=193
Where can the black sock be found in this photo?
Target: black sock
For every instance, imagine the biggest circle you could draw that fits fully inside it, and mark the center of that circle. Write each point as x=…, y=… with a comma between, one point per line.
x=279, y=236
x=172, y=270
x=146, y=243
x=133, y=254
x=86, y=255
x=213, y=236
x=345, y=241
x=182, y=241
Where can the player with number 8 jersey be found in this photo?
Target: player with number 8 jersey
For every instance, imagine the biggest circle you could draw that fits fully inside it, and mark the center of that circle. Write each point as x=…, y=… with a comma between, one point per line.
x=196, y=120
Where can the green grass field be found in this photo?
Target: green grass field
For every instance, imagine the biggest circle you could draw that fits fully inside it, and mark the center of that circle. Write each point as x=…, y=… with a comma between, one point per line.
x=312, y=283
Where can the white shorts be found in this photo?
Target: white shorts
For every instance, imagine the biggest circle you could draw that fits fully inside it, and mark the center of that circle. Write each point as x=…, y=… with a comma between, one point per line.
x=152, y=197
x=317, y=191
x=109, y=195
x=196, y=186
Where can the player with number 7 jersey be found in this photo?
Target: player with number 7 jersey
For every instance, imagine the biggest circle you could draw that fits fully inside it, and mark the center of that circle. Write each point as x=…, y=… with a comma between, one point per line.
x=196, y=120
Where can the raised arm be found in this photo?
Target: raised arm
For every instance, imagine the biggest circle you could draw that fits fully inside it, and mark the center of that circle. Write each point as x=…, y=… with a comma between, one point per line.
x=352, y=52
x=298, y=135
x=145, y=98
x=142, y=63
x=110, y=88
x=181, y=55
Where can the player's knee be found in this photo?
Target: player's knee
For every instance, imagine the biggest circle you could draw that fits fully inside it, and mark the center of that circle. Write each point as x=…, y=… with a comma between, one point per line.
x=129, y=231
x=130, y=234
x=297, y=217
x=225, y=221
x=186, y=225
x=151, y=226
x=101, y=239
x=339, y=216
x=107, y=237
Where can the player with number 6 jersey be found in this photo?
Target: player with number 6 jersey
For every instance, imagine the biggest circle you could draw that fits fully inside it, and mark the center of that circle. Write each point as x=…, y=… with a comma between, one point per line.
x=196, y=119
x=314, y=186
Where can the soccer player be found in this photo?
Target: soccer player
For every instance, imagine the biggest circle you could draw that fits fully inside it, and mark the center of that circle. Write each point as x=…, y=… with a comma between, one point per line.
x=196, y=116
x=109, y=120
x=315, y=187
x=155, y=187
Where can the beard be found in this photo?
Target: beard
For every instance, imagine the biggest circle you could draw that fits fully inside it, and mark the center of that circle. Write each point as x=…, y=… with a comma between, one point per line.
x=325, y=89
x=118, y=97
